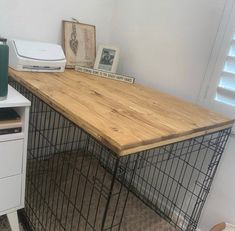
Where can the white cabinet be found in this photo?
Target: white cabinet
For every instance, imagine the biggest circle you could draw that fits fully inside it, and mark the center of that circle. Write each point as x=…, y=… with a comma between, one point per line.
x=13, y=157
x=11, y=192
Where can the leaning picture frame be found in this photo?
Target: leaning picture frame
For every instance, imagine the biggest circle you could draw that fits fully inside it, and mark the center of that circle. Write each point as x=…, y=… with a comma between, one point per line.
x=107, y=58
x=79, y=43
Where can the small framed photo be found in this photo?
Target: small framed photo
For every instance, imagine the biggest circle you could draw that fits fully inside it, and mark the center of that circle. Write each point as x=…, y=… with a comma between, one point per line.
x=79, y=42
x=107, y=58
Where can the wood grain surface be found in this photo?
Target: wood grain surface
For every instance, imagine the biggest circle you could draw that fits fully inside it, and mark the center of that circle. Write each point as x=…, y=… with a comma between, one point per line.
x=127, y=118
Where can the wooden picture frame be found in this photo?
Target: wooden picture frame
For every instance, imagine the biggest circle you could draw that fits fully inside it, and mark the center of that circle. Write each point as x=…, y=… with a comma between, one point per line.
x=107, y=58
x=79, y=43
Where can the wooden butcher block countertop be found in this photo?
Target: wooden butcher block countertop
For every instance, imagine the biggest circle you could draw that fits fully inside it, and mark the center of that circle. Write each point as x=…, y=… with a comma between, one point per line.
x=127, y=118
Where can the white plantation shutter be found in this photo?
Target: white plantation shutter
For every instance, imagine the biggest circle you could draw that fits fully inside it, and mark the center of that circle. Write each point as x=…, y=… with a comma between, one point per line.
x=218, y=89
x=226, y=85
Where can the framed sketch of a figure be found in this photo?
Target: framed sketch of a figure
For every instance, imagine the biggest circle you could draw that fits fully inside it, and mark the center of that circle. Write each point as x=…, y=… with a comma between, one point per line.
x=79, y=42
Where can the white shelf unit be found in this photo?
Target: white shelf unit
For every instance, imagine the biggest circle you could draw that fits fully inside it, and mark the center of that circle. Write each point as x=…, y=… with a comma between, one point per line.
x=13, y=158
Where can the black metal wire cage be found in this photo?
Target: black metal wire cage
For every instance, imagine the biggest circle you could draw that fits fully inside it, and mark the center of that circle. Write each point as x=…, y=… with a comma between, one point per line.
x=76, y=183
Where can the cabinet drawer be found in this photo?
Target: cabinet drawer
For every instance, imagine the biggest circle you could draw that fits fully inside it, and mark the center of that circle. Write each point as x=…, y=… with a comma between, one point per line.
x=10, y=192
x=11, y=153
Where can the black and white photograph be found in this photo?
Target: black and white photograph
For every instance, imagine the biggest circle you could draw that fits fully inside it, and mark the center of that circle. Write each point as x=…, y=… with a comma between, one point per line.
x=107, y=58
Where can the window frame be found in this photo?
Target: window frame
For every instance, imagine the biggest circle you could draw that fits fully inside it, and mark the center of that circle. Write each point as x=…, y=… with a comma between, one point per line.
x=219, y=53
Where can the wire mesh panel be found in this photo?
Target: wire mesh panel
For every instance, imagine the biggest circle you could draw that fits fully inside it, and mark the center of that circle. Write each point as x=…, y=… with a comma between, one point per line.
x=175, y=180
x=76, y=183
x=72, y=180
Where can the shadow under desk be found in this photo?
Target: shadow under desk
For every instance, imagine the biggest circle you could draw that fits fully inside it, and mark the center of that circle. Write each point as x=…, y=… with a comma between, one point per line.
x=106, y=156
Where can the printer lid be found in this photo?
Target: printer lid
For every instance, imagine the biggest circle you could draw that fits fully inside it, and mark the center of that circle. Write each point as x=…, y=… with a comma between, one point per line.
x=39, y=50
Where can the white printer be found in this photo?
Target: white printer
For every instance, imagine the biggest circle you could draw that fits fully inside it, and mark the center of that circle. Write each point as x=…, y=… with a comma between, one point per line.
x=36, y=56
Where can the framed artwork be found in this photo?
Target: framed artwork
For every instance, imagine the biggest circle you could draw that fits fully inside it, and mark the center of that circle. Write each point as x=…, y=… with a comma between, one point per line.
x=79, y=42
x=107, y=58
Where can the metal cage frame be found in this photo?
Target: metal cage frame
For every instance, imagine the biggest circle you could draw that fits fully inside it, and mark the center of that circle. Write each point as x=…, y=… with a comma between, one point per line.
x=74, y=182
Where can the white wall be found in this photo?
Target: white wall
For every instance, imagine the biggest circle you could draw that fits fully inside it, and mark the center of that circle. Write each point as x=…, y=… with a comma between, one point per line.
x=220, y=205
x=167, y=45
x=41, y=20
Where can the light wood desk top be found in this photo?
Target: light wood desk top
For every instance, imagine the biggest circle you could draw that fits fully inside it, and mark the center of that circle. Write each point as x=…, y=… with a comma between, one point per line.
x=126, y=118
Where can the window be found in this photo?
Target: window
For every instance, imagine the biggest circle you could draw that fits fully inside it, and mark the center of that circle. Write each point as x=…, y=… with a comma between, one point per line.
x=218, y=90
x=226, y=87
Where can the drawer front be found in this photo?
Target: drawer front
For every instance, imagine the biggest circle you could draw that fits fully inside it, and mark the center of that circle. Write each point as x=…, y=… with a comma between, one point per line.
x=11, y=154
x=10, y=192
